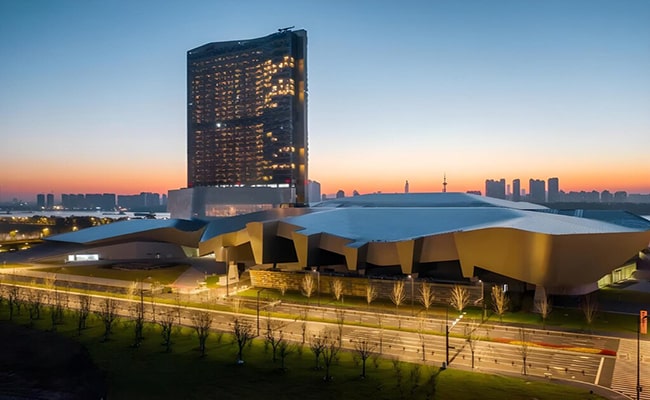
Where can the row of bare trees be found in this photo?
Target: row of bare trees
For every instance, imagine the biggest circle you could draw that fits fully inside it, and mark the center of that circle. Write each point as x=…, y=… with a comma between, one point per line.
x=459, y=298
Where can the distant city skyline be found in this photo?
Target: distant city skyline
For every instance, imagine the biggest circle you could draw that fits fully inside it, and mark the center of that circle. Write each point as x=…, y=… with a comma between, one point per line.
x=92, y=97
x=508, y=190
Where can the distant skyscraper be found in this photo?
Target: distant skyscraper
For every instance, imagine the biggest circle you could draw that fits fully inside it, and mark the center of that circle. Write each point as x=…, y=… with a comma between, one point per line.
x=620, y=196
x=444, y=183
x=606, y=196
x=406, y=187
x=537, y=190
x=553, y=190
x=40, y=200
x=247, y=113
x=496, y=189
x=516, y=190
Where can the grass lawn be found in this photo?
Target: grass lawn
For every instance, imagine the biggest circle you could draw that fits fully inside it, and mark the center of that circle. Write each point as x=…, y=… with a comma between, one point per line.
x=569, y=319
x=147, y=372
x=164, y=275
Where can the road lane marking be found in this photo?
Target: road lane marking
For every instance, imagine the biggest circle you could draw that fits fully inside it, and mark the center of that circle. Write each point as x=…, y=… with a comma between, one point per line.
x=600, y=369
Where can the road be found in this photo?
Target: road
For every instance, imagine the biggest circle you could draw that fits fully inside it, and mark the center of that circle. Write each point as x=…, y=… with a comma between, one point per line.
x=496, y=348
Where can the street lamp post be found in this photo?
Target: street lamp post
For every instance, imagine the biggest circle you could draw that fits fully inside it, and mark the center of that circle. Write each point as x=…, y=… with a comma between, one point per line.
x=483, y=300
x=643, y=316
x=447, y=330
x=412, y=303
x=446, y=336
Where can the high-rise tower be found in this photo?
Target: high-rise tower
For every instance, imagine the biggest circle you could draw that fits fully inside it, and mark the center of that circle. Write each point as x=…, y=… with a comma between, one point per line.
x=247, y=113
x=516, y=189
x=553, y=190
x=496, y=189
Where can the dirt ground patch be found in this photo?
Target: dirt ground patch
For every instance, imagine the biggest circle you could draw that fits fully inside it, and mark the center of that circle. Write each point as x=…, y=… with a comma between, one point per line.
x=42, y=365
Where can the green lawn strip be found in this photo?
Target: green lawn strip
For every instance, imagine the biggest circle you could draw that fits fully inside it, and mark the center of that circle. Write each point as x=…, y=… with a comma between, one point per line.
x=147, y=372
x=567, y=319
x=164, y=275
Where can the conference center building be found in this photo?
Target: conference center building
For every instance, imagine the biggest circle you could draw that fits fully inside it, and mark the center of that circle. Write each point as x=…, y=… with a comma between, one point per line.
x=440, y=237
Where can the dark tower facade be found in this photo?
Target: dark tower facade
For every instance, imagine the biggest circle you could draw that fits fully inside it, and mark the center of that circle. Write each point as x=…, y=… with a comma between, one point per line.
x=516, y=190
x=247, y=113
x=495, y=189
x=553, y=190
x=536, y=190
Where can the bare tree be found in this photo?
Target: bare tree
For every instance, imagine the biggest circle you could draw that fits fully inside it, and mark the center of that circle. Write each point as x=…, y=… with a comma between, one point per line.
x=365, y=349
x=500, y=301
x=340, y=323
x=371, y=293
x=83, y=312
x=166, y=321
x=337, y=289
x=316, y=344
x=303, y=325
x=283, y=287
x=590, y=307
x=13, y=300
x=426, y=296
x=243, y=334
x=524, y=349
x=50, y=281
x=202, y=322
x=381, y=332
x=284, y=349
x=137, y=312
x=544, y=308
x=132, y=290
x=34, y=304
x=307, y=286
x=108, y=314
x=236, y=303
x=154, y=288
x=330, y=350
x=58, y=299
x=398, y=370
x=414, y=379
x=397, y=295
x=273, y=337
x=472, y=338
x=459, y=298
x=422, y=338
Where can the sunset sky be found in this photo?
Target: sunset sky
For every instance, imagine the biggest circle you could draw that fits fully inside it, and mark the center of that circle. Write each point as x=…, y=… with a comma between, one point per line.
x=93, y=93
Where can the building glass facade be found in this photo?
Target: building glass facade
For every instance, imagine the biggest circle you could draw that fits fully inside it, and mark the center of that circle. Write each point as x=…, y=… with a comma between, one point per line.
x=247, y=113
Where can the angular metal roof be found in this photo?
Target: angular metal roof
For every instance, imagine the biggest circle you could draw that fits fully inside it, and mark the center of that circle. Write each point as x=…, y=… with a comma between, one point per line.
x=386, y=224
x=130, y=228
x=407, y=200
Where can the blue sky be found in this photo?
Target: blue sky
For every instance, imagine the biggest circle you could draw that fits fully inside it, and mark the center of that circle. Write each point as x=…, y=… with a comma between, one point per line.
x=92, y=93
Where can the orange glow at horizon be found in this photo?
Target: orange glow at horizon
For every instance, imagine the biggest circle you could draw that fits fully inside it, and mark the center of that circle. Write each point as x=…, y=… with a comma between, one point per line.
x=58, y=179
